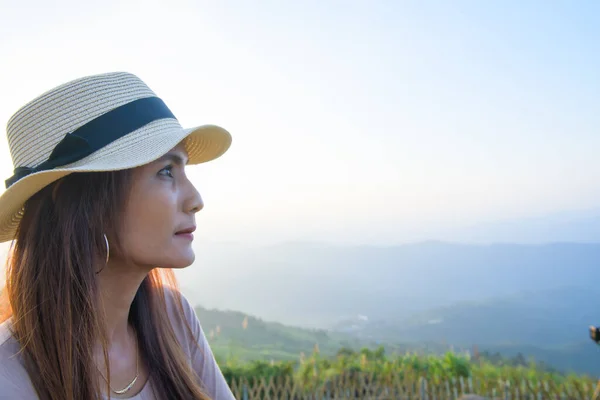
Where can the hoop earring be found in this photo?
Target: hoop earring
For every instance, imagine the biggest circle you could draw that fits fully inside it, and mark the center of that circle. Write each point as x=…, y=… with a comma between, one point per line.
x=107, y=248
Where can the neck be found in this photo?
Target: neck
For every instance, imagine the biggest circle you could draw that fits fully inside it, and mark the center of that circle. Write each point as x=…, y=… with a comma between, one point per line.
x=118, y=284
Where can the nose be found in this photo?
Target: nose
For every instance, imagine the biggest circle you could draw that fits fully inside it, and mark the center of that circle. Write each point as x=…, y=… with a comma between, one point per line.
x=193, y=202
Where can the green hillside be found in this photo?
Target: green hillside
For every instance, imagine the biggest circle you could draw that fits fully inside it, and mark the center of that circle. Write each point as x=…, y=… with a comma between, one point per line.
x=234, y=334
x=254, y=354
x=237, y=336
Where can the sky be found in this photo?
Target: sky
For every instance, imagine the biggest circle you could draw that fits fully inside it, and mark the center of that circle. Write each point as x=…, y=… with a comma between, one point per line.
x=352, y=121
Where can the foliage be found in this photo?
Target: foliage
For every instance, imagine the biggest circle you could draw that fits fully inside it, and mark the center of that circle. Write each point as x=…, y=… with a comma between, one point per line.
x=376, y=363
x=374, y=372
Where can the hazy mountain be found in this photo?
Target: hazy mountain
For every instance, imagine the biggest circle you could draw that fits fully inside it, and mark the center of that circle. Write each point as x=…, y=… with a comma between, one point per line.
x=580, y=226
x=548, y=318
x=318, y=285
x=549, y=325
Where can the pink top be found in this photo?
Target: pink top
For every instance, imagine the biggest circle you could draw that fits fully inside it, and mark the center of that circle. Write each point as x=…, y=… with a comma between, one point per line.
x=15, y=383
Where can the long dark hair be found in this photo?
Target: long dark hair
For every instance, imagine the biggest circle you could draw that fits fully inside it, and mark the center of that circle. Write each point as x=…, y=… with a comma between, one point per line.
x=52, y=294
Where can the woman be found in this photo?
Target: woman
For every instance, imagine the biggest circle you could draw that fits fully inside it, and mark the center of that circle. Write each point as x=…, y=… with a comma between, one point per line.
x=101, y=212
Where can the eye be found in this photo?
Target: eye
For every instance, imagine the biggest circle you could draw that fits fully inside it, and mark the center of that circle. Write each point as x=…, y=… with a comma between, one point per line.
x=166, y=171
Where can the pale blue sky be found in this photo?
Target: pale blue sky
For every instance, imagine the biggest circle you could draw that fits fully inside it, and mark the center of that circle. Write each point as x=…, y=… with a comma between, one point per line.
x=370, y=121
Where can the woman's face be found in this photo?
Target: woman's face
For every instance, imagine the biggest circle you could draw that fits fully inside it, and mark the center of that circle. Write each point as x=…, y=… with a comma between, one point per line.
x=160, y=214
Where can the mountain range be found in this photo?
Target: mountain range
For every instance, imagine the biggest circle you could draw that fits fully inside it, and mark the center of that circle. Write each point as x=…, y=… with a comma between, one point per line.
x=539, y=298
x=316, y=285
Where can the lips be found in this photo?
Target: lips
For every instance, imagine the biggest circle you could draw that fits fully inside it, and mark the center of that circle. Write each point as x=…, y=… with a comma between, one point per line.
x=186, y=233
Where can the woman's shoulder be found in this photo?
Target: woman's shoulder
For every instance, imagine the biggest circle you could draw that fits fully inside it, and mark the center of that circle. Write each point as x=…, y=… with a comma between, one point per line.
x=5, y=332
x=195, y=344
x=178, y=306
x=14, y=380
x=183, y=318
x=9, y=347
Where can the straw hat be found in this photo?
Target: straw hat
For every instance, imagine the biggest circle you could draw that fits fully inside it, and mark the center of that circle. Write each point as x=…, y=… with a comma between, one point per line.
x=102, y=122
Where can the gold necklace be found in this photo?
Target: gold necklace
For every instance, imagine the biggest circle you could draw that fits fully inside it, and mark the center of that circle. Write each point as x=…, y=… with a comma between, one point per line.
x=128, y=387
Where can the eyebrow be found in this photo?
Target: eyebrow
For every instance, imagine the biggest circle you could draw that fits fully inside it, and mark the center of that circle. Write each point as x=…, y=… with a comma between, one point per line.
x=176, y=158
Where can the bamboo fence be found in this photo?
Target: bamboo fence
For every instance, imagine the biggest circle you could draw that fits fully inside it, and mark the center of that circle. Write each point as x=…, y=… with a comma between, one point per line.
x=368, y=387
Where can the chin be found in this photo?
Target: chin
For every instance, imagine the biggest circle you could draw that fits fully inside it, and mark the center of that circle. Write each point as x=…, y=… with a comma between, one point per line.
x=177, y=264
x=174, y=260
x=183, y=265
x=182, y=260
